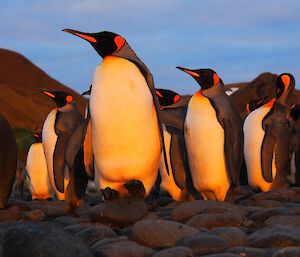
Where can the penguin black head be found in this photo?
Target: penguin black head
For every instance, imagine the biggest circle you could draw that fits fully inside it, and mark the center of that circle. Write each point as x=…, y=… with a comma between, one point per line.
x=37, y=136
x=206, y=78
x=105, y=42
x=61, y=98
x=255, y=104
x=285, y=84
x=166, y=97
x=295, y=112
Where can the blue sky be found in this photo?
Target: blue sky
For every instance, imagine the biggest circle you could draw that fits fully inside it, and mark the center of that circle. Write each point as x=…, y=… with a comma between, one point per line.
x=238, y=39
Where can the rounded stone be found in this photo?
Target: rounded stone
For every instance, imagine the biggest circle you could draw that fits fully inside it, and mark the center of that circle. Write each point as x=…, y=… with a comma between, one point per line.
x=264, y=214
x=192, y=208
x=269, y=204
x=205, y=244
x=53, y=211
x=65, y=220
x=275, y=236
x=280, y=195
x=121, y=248
x=283, y=219
x=122, y=211
x=248, y=251
x=221, y=255
x=43, y=239
x=35, y=215
x=13, y=213
x=214, y=220
x=179, y=251
x=160, y=233
x=235, y=236
x=288, y=252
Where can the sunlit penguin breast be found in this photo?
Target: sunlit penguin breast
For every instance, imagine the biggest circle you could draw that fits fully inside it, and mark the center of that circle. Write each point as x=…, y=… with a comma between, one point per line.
x=204, y=138
x=49, y=139
x=125, y=132
x=39, y=183
x=254, y=135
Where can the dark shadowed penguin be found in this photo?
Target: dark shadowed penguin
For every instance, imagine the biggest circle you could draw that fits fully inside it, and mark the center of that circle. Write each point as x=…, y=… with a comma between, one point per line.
x=126, y=130
x=8, y=160
x=173, y=112
x=38, y=179
x=267, y=137
x=293, y=118
x=214, y=137
x=69, y=182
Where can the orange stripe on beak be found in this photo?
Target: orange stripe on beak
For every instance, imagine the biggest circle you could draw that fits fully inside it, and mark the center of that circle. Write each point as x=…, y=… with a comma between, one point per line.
x=49, y=94
x=194, y=74
x=159, y=94
x=88, y=38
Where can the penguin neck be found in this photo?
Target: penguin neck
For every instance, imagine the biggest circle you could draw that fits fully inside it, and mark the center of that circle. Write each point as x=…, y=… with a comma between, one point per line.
x=67, y=107
x=213, y=91
x=270, y=103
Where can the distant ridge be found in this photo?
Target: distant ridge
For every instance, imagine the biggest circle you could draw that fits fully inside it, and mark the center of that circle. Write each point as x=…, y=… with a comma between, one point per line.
x=21, y=101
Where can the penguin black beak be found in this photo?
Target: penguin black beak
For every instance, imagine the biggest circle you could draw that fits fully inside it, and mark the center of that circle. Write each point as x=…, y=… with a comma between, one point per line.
x=84, y=35
x=48, y=93
x=86, y=92
x=194, y=74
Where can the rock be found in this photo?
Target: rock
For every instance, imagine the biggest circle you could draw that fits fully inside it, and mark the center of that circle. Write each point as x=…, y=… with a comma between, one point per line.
x=35, y=215
x=5, y=225
x=288, y=252
x=280, y=195
x=160, y=233
x=276, y=236
x=13, y=213
x=179, y=251
x=151, y=216
x=269, y=204
x=53, y=211
x=205, y=244
x=24, y=206
x=77, y=227
x=283, y=219
x=122, y=211
x=214, y=220
x=95, y=232
x=42, y=239
x=18, y=196
x=295, y=198
x=251, y=209
x=65, y=220
x=222, y=255
x=248, y=251
x=264, y=214
x=120, y=248
x=235, y=236
x=192, y=208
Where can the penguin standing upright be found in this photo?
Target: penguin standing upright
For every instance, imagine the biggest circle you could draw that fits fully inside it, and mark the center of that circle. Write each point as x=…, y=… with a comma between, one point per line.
x=38, y=181
x=8, y=160
x=267, y=138
x=126, y=131
x=69, y=183
x=213, y=136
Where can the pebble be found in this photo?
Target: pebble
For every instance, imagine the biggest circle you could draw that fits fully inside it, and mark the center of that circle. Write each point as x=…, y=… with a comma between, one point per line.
x=269, y=204
x=288, y=252
x=65, y=220
x=264, y=214
x=283, y=219
x=205, y=244
x=35, y=215
x=119, y=212
x=179, y=251
x=160, y=233
x=248, y=251
x=235, y=236
x=13, y=213
x=53, y=211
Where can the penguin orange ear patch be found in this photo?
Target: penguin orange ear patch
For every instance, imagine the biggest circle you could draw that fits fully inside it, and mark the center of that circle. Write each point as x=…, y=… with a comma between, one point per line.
x=88, y=38
x=194, y=74
x=286, y=80
x=216, y=79
x=49, y=94
x=69, y=99
x=119, y=41
x=176, y=98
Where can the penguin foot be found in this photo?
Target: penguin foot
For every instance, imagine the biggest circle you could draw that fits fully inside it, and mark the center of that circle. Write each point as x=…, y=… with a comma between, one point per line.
x=109, y=194
x=135, y=188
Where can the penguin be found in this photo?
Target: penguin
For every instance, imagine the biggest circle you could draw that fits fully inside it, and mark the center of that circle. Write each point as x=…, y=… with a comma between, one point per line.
x=267, y=137
x=38, y=179
x=8, y=160
x=214, y=137
x=69, y=182
x=126, y=130
x=293, y=117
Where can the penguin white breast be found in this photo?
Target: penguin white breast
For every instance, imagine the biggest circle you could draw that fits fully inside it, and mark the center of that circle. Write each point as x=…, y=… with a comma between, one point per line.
x=253, y=138
x=39, y=183
x=204, y=138
x=125, y=132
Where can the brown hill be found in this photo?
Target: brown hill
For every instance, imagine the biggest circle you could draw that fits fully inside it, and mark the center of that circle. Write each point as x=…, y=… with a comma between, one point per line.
x=21, y=101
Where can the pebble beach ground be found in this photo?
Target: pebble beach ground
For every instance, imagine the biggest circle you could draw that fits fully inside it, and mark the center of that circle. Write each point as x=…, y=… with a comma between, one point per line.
x=257, y=225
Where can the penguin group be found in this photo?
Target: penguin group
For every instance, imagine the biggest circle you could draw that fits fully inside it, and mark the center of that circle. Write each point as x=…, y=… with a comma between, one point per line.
x=135, y=137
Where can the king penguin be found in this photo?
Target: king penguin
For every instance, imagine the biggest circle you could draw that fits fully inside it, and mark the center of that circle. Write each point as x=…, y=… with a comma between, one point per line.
x=214, y=137
x=127, y=134
x=8, y=160
x=68, y=182
x=38, y=181
x=267, y=138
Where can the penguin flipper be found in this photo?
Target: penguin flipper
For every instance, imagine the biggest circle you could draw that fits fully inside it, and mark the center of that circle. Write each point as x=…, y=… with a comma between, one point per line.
x=176, y=157
x=267, y=155
x=88, y=152
x=174, y=117
x=59, y=160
